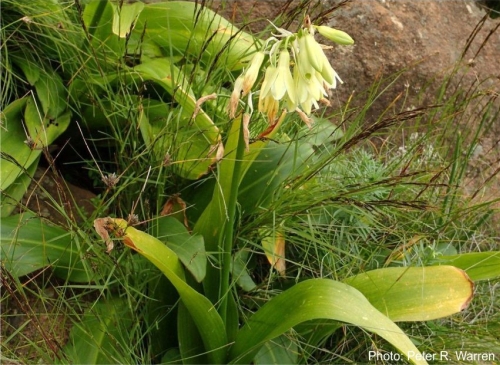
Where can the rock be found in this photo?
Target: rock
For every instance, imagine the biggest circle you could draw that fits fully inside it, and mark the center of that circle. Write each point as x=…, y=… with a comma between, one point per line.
x=426, y=38
x=47, y=193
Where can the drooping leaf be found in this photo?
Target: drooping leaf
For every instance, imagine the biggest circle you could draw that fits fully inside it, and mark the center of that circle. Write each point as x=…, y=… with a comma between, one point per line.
x=190, y=248
x=21, y=143
x=415, y=293
x=208, y=321
x=11, y=196
x=314, y=299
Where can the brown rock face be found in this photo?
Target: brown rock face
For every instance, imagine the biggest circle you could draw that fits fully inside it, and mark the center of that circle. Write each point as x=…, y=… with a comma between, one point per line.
x=427, y=38
x=423, y=41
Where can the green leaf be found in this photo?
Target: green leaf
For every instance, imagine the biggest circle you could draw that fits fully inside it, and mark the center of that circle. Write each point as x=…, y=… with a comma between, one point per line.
x=105, y=47
x=15, y=192
x=207, y=320
x=415, y=293
x=44, y=131
x=29, y=244
x=477, y=265
x=124, y=17
x=52, y=94
x=30, y=68
x=190, y=341
x=280, y=351
x=185, y=28
x=17, y=156
x=275, y=164
x=240, y=272
x=314, y=299
x=189, y=248
x=198, y=144
x=102, y=336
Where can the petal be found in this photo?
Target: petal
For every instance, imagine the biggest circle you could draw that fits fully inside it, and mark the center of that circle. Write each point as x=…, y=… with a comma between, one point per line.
x=252, y=72
x=314, y=52
x=269, y=80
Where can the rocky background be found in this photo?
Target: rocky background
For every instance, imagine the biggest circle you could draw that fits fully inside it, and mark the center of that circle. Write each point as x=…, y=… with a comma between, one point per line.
x=423, y=41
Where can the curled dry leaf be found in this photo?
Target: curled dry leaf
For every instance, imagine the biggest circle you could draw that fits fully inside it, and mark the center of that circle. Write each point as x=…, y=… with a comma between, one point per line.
x=105, y=226
x=200, y=101
x=176, y=207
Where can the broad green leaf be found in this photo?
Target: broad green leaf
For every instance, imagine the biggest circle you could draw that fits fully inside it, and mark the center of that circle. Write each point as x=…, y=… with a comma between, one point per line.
x=52, y=94
x=314, y=299
x=198, y=145
x=275, y=164
x=207, y=320
x=11, y=196
x=190, y=248
x=477, y=265
x=29, y=244
x=42, y=130
x=415, y=293
x=280, y=351
x=124, y=17
x=17, y=156
x=105, y=48
x=103, y=336
x=30, y=68
x=186, y=28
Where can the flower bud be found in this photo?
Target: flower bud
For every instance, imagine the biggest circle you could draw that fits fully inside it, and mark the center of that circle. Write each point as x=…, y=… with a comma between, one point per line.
x=335, y=35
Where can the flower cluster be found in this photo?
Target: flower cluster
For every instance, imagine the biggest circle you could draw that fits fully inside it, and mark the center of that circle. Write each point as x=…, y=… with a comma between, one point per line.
x=297, y=84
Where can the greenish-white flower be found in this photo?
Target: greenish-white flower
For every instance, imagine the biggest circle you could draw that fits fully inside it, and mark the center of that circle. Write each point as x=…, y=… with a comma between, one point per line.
x=252, y=72
x=299, y=86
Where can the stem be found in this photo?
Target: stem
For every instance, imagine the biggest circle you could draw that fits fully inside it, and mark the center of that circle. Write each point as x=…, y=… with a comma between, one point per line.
x=226, y=239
